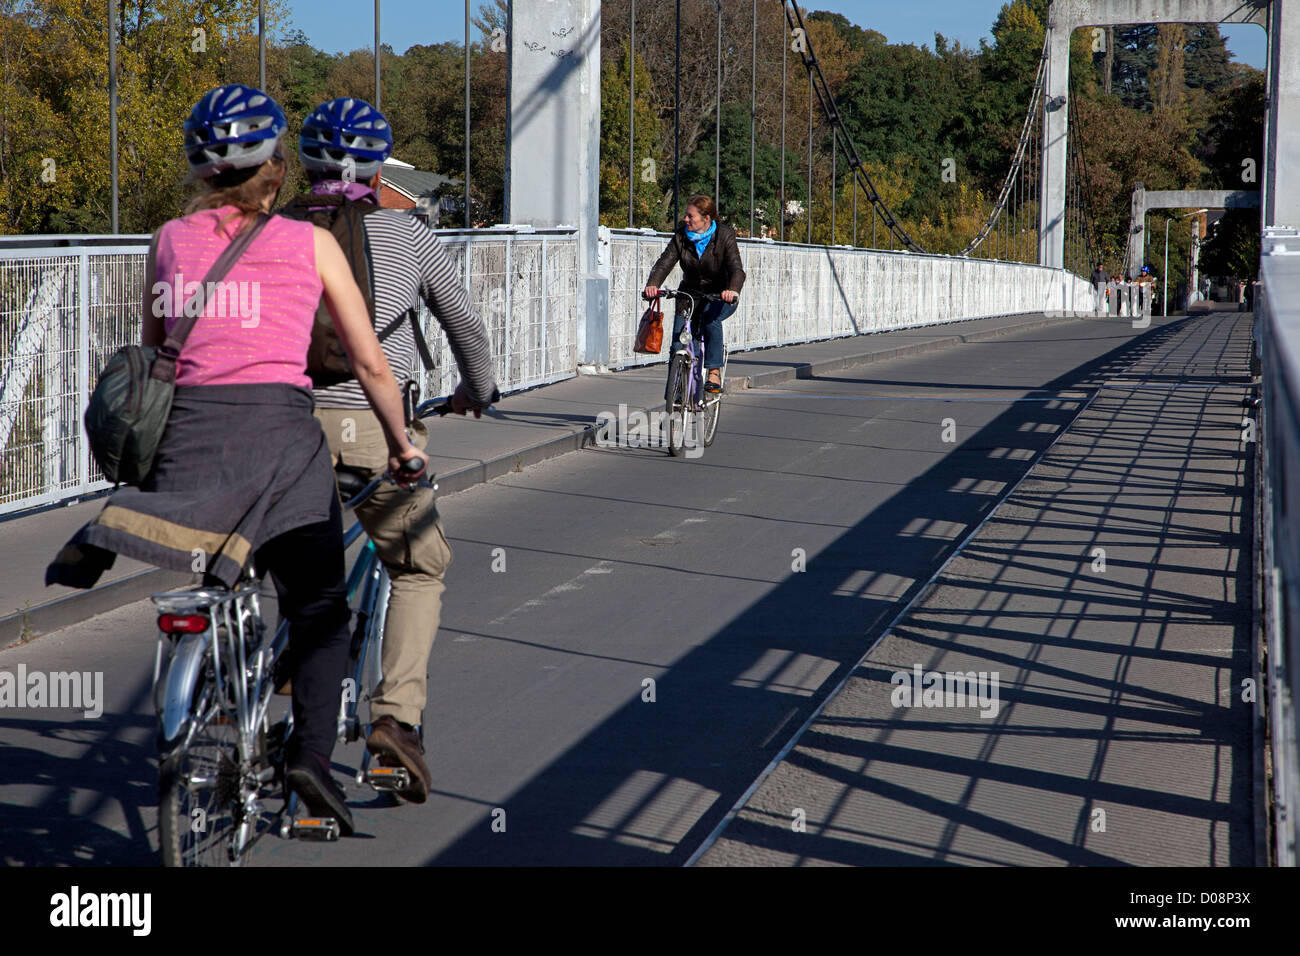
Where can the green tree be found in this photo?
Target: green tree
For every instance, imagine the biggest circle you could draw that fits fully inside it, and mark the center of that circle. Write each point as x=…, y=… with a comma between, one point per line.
x=55, y=144
x=1234, y=132
x=1232, y=248
x=646, y=176
x=1208, y=62
x=733, y=201
x=1135, y=56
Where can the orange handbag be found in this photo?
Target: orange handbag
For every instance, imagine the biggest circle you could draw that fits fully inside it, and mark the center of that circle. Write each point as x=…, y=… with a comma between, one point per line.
x=650, y=333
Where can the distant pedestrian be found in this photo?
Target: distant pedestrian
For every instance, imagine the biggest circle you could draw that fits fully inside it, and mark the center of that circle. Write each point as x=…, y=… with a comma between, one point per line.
x=1099, y=287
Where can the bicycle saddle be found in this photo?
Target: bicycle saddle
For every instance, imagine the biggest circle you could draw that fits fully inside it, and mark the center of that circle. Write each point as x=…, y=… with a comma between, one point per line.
x=351, y=481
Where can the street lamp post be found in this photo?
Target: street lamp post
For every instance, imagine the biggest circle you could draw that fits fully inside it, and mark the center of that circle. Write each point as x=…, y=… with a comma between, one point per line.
x=1165, y=305
x=677, y=113
x=717, y=120
x=261, y=45
x=112, y=110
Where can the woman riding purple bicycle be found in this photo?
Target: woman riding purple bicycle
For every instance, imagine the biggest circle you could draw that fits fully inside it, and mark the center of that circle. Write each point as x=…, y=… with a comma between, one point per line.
x=710, y=260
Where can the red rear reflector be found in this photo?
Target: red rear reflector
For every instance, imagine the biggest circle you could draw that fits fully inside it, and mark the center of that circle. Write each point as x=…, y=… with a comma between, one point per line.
x=183, y=623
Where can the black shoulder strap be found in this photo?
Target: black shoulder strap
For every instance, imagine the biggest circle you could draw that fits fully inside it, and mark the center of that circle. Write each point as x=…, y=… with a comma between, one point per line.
x=426, y=359
x=164, y=366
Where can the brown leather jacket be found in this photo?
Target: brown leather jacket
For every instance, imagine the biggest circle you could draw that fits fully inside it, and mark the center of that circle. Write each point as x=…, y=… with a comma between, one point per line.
x=717, y=270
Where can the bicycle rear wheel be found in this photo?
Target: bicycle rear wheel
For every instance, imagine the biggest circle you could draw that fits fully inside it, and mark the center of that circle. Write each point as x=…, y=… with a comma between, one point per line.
x=710, y=420
x=209, y=811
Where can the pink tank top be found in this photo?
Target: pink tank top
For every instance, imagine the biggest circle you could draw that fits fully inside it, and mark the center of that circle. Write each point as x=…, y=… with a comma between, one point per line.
x=257, y=321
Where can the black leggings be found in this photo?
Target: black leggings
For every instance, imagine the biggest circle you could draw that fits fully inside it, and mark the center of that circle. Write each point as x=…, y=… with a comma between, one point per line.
x=307, y=566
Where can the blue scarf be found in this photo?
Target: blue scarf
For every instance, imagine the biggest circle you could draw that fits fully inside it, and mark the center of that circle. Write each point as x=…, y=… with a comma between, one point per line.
x=701, y=239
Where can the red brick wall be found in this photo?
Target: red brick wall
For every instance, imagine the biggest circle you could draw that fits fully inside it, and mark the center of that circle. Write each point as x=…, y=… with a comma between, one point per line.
x=390, y=198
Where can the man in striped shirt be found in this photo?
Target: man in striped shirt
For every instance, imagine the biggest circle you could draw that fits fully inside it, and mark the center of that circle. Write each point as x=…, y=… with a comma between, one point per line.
x=343, y=145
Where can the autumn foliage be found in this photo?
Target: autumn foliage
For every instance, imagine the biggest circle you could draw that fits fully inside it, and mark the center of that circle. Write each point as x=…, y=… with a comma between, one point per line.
x=1160, y=104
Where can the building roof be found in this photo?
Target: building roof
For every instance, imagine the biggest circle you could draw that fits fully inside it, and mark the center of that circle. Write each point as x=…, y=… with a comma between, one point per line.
x=414, y=183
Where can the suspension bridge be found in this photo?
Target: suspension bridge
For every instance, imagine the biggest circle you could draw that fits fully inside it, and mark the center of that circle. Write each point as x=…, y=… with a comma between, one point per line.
x=932, y=469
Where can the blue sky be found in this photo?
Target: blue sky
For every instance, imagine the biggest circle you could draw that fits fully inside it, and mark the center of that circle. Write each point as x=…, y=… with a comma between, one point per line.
x=342, y=25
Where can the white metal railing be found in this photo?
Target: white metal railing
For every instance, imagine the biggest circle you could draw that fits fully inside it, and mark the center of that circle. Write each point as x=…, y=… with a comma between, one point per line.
x=524, y=283
x=1277, y=340
x=802, y=293
x=67, y=303
x=63, y=312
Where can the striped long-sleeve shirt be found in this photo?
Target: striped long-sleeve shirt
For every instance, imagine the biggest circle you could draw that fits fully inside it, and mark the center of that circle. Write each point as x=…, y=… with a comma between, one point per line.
x=409, y=263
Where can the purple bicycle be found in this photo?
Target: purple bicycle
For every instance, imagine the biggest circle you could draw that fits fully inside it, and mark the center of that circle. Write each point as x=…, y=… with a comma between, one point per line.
x=692, y=412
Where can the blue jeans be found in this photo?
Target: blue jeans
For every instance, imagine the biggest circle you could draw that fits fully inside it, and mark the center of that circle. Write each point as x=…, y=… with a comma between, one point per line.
x=711, y=316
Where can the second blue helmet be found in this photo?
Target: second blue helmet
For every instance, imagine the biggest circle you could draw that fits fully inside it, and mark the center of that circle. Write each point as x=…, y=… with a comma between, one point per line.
x=345, y=133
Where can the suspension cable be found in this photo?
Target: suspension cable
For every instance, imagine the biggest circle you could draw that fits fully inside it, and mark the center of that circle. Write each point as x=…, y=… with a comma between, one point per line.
x=794, y=19
x=1008, y=184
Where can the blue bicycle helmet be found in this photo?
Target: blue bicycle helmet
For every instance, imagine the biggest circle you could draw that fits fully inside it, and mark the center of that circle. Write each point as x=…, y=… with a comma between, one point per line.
x=345, y=134
x=232, y=127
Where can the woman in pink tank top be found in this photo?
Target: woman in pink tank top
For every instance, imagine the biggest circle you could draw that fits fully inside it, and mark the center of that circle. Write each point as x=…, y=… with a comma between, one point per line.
x=257, y=324
x=243, y=472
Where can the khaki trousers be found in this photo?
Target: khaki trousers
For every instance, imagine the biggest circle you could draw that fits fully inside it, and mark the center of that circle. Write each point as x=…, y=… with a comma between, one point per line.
x=409, y=540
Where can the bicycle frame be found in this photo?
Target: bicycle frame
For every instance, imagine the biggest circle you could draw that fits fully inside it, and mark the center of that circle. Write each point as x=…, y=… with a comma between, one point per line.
x=222, y=674
x=236, y=613
x=695, y=349
x=369, y=577
x=231, y=652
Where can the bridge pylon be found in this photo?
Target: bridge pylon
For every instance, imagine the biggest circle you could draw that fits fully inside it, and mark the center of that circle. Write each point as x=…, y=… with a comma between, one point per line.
x=1280, y=186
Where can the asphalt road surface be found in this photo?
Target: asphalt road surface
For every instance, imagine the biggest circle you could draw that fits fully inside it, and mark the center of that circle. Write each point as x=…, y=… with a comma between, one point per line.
x=742, y=584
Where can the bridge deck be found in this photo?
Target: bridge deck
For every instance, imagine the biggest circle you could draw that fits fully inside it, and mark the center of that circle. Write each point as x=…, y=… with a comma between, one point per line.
x=625, y=564
x=1121, y=736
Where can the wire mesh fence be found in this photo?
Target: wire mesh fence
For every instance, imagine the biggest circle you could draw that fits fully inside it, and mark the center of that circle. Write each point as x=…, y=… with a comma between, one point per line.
x=64, y=311
x=524, y=285
x=62, y=314
x=798, y=293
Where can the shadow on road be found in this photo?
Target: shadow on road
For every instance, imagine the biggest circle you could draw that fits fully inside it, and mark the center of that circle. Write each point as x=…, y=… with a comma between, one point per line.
x=713, y=734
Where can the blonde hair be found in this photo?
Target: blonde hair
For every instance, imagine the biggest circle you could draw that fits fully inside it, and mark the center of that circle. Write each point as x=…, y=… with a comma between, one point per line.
x=246, y=190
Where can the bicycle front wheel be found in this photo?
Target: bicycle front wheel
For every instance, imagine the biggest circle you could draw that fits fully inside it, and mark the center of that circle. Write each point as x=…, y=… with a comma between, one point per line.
x=678, y=413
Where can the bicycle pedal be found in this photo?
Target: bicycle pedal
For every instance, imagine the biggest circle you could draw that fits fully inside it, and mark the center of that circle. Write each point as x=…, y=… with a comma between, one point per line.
x=389, y=778
x=323, y=829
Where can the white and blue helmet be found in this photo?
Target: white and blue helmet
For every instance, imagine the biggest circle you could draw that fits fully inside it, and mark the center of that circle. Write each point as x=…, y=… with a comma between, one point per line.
x=345, y=134
x=232, y=127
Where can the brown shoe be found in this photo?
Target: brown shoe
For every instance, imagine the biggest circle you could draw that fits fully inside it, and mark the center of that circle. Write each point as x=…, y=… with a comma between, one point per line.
x=395, y=746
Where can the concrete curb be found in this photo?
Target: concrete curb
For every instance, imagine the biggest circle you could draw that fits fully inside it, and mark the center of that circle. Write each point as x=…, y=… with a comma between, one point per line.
x=73, y=608
x=810, y=370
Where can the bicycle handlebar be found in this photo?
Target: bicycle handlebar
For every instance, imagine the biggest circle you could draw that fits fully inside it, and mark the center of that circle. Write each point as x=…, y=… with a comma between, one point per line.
x=683, y=293
x=387, y=478
x=434, y=407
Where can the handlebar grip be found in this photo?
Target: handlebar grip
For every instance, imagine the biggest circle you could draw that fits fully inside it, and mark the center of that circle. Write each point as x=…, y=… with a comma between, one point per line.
x=413, y=466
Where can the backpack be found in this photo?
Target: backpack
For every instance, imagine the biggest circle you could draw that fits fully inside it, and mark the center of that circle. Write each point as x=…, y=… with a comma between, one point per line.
x=327, y=362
